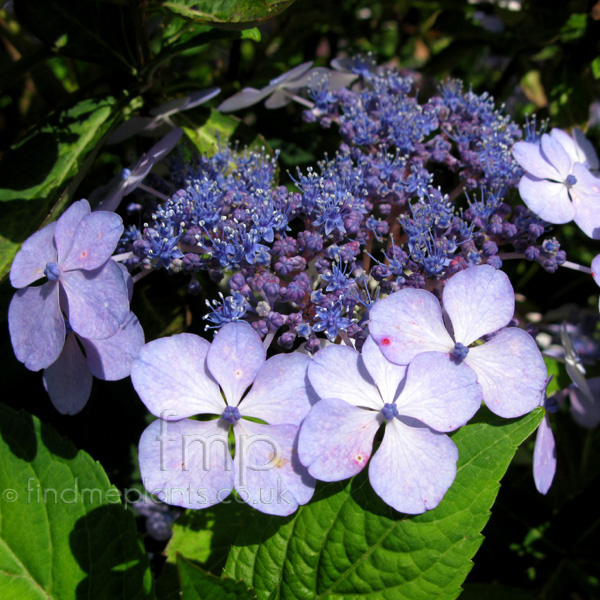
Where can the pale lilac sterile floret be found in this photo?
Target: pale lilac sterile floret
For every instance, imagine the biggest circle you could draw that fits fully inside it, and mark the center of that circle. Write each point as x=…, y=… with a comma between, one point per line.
x=83, y=284
x=187, y=462
x=416, y=462
x=558, y=184
x=68, y=380
x=477, y=301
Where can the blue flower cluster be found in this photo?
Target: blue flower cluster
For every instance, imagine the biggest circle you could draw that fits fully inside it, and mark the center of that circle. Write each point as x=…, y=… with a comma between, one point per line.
x=416, y=192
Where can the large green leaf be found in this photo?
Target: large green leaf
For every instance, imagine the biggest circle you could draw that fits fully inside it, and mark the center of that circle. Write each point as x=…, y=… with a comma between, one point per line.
x=64, y=533
x=209, y=129
x=348, y=544
x=42, y=171
x=238, y=12
x=101, y=32
x=198, y=585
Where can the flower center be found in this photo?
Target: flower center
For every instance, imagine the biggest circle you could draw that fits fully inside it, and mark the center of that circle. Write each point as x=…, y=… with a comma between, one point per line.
x=571, y=180
x=52, y=271
x=459, y=352
x=231, y=414
x=389, y=411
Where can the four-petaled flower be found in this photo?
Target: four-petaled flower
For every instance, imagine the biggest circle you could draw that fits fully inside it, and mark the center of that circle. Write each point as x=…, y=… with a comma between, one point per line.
x=478, y=301
x=557, y=185
x=188, y=462
x=83, y=284
x=416, y=462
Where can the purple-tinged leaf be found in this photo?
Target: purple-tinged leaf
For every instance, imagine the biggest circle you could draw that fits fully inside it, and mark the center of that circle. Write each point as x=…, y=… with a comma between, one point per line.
x=234, y=359
x=479, y=300
x=339, y=372
x=280, y=393
x=413, y=468
x=511, y=372
x=407, y=323
x=172, y=379
x=187, y=463
x=336, y=439
x=544, y=457
x=31, y=260
x=68, y=381
x=36, y=325
x=439, y=392
x=95, y=239
x=268, y=474
x=111, y=358
x=97, y=300
x=547, y=199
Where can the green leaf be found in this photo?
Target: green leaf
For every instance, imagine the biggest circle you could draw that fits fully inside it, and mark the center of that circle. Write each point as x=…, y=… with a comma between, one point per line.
x=64, y=533
x=348, y=544
x=198, y=585
x=41, y=172
x=212, y=128
x=100, y=32
x=207, y=535
x=238, y=12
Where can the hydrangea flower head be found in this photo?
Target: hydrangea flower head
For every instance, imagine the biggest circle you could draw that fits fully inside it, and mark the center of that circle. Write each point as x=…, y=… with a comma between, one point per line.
x=416, y=462
x=558, y=185
x=188, y=462
x=82, y=282
x=477, y=301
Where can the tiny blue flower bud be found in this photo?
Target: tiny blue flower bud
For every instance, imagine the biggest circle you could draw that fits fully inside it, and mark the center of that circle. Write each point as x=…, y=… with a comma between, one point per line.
x=52, y=271
x=389, y=411
x=459, y=351
x=231, y=414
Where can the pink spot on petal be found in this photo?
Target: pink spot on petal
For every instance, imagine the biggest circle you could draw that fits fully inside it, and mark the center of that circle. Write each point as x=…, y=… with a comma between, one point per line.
x=386, y=341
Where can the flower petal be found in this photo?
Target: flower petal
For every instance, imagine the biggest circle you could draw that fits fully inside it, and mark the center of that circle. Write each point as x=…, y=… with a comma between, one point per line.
x=439, y=392
x=97, y=300
x=585, y=408
x=544, y=457
x=187, y=463
x=111, y=358
x=68, y=381
x=336, y=439
x=596, y=269
x=172, y=380
x=36, y=325
x=511, y=372
x=244, y=98
x=386, y=374
x=530, y=157
x=586, y=201
x=234, y=359
x=31, y=260
x=268, y=474
x=479, y=301
x=67, y=225
x=547, y=199
x=95, y=239
x=556, y=155
x=586, y=154
x=339, y=372
x=413, y=468
x=281, y=393
x=407, y=323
